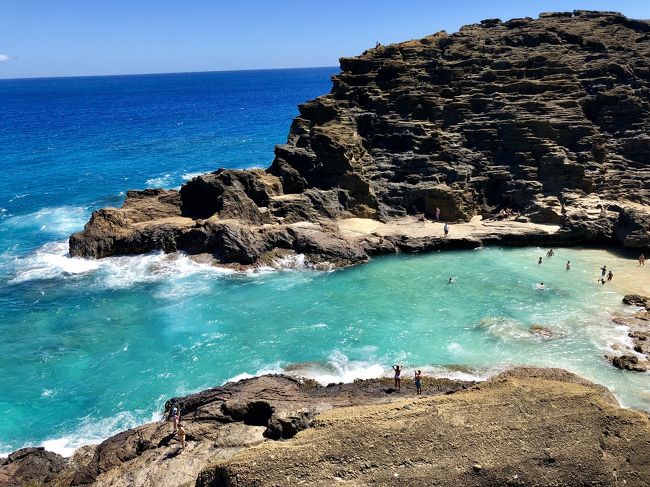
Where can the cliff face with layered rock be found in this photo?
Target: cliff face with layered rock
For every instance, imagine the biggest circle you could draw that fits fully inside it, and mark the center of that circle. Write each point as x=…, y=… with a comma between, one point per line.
x=549, y=117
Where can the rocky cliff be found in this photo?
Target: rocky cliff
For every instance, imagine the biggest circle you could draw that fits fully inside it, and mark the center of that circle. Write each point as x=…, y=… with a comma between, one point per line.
x=527, y=426
x=548, y=117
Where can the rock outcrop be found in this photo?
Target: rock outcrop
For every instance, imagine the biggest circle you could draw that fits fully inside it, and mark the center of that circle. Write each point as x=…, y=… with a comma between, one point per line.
x=526, y=426
x=636, y=356
x=547, y=117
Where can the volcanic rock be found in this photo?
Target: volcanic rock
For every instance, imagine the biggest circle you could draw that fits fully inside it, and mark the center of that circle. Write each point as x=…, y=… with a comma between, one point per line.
x=546, y=117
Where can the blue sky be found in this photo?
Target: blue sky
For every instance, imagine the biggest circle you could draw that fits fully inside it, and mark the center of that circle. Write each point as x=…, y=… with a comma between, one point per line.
x=93, y=37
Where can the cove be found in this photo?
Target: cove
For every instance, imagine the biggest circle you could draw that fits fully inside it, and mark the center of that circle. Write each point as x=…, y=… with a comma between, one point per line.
x=111, y=340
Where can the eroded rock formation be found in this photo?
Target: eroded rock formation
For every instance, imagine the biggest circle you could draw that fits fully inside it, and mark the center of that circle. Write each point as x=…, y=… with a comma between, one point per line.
x=548, y=117
x=526, y=426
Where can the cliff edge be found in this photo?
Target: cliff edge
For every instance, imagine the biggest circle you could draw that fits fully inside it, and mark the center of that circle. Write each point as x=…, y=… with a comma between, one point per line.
x=546, y=118
x=526, y=426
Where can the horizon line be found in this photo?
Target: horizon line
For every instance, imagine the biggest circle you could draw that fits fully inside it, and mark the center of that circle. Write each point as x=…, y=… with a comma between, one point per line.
x=165, y=72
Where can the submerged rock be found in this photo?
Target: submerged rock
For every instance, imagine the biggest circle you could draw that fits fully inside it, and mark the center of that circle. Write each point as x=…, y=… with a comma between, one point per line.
x=547, y=117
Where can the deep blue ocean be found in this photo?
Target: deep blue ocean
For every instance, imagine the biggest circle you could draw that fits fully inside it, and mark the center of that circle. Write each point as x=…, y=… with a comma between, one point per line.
x=88, y=348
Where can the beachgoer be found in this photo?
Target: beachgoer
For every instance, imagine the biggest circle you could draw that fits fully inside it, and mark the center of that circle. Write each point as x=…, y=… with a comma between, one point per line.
x=437, y=214
x=568, y=265
x=641, y=259
x=603, y=270
x=539, y=261
x=377, y=44
x=418, y=382
x=610, y=276
x=398, y=374
x=446, y=229
x=550, y=253
x=450, y=280
x=181, y=435
x=174, y=417
x=540, y=286
x=423, y=218
x=601, y=280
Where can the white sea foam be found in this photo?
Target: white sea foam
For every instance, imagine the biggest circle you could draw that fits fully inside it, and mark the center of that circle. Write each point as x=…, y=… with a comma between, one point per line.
x=50, y=261
x=190, y=175
x=53, y=261
x=61, y=220
x=161, y=181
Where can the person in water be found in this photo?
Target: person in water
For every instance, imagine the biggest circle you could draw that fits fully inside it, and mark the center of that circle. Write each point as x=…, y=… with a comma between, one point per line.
x=568, y=265
x=446, y=229
x=550, y=253
x=398, y=375
x=603, y=270
x=641, y=259
x=450, y=280
x=610, y=276
x=418, y=382
x=540, y=285
x=539, y=261
x=181, y=435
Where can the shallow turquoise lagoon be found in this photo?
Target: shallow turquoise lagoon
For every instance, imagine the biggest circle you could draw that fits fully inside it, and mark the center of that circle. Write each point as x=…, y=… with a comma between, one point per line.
x=105, y=343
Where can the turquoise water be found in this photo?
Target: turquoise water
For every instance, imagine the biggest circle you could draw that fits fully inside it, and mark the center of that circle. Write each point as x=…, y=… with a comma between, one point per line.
x=92, y=347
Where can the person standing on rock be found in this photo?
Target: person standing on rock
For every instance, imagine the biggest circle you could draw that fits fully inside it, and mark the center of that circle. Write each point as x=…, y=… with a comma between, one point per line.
x=176, y=418
x=437, y=214
x=398, y=375
x=446, y=229
x=418, y=382
x=641, y=259
x=181, y=435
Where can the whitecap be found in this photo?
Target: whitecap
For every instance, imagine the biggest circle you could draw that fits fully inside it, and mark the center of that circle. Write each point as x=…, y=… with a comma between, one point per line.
x=61, y=220
x=50, y=261
x=53, y=260
x=191, y=175
x=93, y=431
x=160, y=181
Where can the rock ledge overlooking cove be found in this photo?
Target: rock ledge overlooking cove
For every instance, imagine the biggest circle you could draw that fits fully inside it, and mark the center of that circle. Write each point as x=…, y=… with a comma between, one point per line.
x=546, y=117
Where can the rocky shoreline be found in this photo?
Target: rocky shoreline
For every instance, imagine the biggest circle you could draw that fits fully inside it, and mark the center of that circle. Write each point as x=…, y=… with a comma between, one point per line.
x=545, y=118
x=276, y=430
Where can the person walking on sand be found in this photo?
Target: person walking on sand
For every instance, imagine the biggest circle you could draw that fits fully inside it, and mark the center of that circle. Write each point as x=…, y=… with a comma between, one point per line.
x=568, y=265
x=446, y=229
x=610, y=276
x=539, y=261
x=181, y=435
x=641, y=259
x=418, y=382
x=437, y=214
x=398, y=375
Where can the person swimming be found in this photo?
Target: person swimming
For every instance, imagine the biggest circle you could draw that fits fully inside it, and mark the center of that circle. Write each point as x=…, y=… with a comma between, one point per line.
x=568, y=265
x=550, y=253
x=539, y=261
x=451, y=279
x=540, y=286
